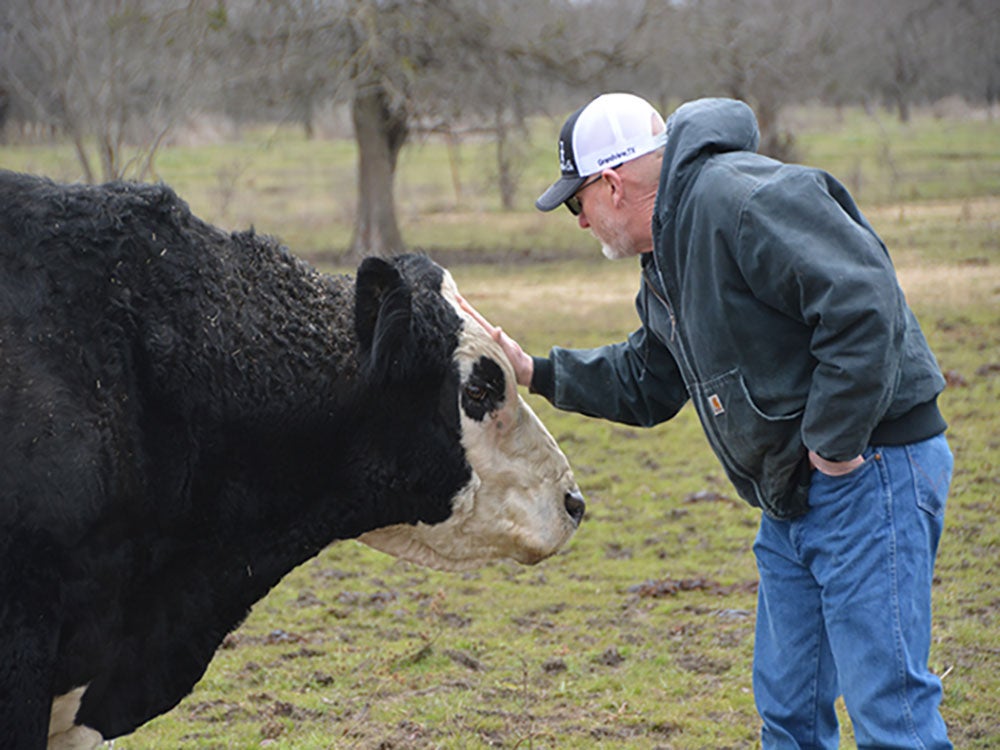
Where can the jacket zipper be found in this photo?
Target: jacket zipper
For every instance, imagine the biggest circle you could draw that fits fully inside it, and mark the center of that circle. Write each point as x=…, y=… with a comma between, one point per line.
x=712, y=430
x=670, y=309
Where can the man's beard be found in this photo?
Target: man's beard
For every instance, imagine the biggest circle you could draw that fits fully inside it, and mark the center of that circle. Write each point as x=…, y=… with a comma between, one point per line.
x=613, y=253
x=617, y=244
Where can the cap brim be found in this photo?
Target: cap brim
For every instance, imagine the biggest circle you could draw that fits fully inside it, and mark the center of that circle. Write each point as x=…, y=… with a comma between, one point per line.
x=556, y=195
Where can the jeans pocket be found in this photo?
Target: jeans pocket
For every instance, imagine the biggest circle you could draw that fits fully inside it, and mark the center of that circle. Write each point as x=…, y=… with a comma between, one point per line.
x=931, y=464
x=865, y=479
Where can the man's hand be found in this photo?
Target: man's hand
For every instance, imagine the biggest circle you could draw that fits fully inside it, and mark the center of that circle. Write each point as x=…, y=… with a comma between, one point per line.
x=834, y=468
x=524, y=366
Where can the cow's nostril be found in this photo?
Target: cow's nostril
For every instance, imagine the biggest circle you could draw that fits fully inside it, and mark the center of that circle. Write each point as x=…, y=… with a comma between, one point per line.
x=575, y=506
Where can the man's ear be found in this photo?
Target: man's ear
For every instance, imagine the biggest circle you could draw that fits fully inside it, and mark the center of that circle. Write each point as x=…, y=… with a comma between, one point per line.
x=383, y=311
x=616, y=184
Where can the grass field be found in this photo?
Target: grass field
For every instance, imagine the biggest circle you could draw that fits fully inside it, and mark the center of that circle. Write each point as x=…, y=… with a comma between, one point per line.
x=640, y=633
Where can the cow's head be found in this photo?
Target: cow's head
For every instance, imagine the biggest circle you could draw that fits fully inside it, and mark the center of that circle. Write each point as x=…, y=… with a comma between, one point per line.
x=516, y=497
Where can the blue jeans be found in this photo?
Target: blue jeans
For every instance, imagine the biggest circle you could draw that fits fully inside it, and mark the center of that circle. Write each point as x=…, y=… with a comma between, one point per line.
x=844, y=606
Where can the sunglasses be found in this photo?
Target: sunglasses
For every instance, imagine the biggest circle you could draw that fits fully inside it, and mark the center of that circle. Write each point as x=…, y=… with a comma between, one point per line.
x=573, y=202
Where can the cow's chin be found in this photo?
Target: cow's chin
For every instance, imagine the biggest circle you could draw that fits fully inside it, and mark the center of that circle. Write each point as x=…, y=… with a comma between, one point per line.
x=470, y=538
x=414, y=544
x=401, y=542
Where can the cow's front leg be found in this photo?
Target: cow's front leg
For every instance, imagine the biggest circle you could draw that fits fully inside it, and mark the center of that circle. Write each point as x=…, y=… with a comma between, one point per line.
x=28, y=636
x=77, y=738
x=64, y=732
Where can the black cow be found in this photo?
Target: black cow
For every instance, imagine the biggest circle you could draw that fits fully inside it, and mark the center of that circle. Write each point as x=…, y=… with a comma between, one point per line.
x=186, y=415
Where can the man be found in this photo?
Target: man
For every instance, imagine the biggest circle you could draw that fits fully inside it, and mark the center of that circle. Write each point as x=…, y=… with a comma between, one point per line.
x=769, y=302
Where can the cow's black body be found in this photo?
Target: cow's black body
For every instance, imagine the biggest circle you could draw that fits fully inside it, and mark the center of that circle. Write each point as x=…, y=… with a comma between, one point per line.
x=186, y=415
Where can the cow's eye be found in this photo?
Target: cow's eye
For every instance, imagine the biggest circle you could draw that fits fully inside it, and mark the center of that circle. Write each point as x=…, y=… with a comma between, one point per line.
x=475, y=392
x=483, y=392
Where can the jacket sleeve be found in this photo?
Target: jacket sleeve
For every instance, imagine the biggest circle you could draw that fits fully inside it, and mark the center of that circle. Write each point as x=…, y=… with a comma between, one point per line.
x=806, y=250
x=635, y=381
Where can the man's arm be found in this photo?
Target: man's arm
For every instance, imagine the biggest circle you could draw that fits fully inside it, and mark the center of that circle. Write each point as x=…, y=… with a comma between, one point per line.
x=635, y=381
x=808, y=252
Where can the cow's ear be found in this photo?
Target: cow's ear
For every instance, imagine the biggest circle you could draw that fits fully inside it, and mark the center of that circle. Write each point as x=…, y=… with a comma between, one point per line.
x=383, y=311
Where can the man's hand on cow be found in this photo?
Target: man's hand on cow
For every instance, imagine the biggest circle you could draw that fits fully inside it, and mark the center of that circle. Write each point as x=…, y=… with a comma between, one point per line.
x=524, y=365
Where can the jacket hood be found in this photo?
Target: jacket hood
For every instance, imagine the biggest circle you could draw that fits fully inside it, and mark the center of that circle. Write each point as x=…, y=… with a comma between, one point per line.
x=703, y=127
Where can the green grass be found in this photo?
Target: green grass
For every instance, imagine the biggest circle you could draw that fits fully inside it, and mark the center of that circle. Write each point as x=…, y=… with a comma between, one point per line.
x=356, y=650
x=881, y=159
x=305, y=191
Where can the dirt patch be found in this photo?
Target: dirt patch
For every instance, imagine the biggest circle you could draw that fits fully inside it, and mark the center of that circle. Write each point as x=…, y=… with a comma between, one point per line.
x=670, y=587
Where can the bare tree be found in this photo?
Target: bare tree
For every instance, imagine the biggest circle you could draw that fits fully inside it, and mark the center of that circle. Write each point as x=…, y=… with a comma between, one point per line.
x=526, y=49
x=420, y=62
x=394, y=63
x=282, y=60
x=406, y=64
x=766, y=52
x=905, y=32
x=117, y=74
x=973, y=45
x=904, y=52
x=547, y=55
x=387, y=59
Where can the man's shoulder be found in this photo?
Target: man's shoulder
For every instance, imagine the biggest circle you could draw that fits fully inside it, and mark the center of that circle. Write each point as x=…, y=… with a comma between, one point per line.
x=729, y=179
x=744, y=168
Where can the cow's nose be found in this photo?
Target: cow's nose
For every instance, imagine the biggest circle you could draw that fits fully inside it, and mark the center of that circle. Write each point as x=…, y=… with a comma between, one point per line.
x=575, y=506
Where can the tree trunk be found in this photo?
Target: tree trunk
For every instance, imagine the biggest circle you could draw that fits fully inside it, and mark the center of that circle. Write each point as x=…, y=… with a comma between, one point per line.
x=380, y=131
x=774, y=142
x=505, y=161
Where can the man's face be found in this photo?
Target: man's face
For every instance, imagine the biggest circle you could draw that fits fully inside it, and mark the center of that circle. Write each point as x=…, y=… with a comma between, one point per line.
x=606, y=221
x=609, y=225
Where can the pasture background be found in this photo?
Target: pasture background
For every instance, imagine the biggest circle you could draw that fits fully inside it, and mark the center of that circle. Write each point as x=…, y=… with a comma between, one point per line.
x=639, y=634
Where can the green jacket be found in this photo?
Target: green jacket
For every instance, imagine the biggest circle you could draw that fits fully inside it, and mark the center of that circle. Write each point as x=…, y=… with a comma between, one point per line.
x=769, y=302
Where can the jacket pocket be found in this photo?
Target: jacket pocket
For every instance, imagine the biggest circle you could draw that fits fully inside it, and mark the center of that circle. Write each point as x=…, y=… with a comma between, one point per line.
x=762, y=453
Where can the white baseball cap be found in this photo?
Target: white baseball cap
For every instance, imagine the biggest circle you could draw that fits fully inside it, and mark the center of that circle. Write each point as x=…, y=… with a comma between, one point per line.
x=609, y=131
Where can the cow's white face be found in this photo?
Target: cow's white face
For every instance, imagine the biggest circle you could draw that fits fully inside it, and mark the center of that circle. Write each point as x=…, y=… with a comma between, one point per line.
x=522, y=502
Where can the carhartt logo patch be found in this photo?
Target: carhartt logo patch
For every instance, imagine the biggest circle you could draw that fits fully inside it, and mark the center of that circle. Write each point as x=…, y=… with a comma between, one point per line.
x=716, y=403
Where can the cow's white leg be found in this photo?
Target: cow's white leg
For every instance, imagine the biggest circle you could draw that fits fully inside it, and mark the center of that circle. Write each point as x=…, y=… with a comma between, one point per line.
x=64, y=733
x=77, y=738
x=64, y=708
